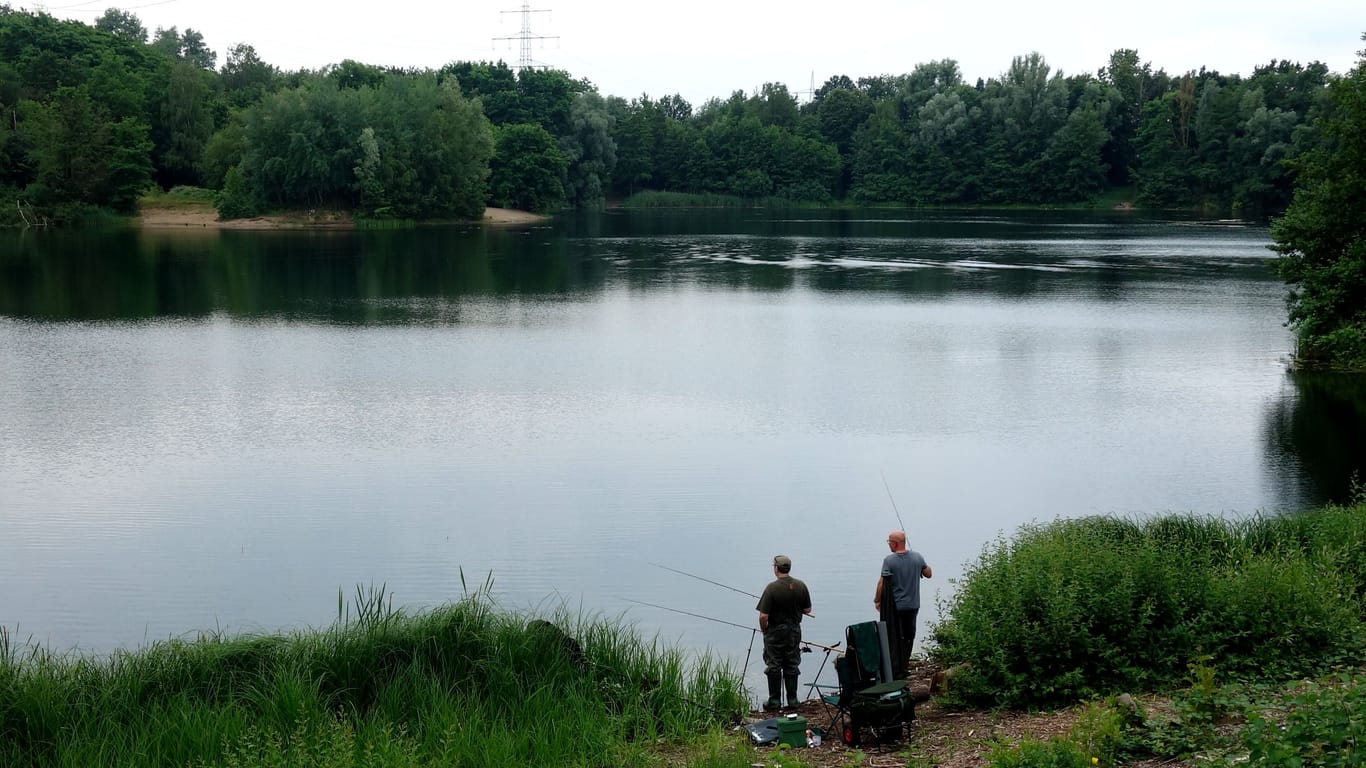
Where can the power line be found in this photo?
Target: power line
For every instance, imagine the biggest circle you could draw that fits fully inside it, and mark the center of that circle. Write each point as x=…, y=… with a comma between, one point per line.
x=526, y=36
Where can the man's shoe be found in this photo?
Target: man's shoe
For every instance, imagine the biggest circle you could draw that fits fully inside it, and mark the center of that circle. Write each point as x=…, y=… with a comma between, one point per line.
x=772, y=705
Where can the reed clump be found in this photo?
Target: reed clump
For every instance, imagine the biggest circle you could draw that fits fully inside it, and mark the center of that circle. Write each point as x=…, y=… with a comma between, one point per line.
x=1080, y=608
x=463, y=684
x=658, y=199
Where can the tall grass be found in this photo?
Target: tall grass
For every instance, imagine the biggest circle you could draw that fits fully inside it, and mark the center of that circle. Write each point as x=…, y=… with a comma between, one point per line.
x=463, y=684
x=653, y=199
x=1079, y=608
x=182, y=197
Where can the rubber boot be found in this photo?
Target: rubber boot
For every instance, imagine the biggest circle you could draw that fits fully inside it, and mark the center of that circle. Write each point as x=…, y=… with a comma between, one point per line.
x=775, y=693
x=791, y=681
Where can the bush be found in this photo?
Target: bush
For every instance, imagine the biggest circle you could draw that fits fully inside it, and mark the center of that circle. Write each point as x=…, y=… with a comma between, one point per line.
x=1056, y=752
x=1322, y=726
x=236, y=201
x=1079, y=608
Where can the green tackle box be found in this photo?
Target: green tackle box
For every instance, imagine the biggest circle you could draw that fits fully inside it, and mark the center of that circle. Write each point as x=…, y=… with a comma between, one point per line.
x=792, y=731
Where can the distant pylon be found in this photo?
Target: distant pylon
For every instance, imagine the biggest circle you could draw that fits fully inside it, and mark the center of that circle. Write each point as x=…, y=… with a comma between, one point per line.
x=525, y=37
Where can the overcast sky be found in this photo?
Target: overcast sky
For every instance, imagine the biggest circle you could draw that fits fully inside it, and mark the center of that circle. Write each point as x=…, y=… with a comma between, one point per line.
x=709, y=48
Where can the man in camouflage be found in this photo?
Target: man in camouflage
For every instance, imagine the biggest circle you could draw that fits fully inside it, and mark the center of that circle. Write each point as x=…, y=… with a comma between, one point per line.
x=781, y=607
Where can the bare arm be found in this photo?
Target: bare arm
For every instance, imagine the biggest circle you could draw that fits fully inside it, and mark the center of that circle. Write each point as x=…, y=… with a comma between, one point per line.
x=927, y=572
x=763, y=622
x=877, y=595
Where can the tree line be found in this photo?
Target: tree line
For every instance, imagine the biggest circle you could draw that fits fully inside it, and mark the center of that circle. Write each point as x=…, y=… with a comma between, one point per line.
x=95, y=114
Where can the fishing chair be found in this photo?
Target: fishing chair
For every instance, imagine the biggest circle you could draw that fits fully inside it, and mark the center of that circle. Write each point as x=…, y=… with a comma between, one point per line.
x=867, y=698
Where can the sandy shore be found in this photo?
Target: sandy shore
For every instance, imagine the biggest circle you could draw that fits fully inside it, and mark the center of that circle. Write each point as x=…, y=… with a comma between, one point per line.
x=207, y=218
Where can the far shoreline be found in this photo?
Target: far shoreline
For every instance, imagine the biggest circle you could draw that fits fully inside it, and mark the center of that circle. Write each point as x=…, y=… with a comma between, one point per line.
x=204, y=217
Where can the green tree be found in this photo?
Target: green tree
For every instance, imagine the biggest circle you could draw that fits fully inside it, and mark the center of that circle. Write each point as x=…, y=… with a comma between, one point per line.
x=773, y=105
x=881, y=154
x=495, y=86
x=122, y=24
x=1073, y=164
x=633, y=133
x=245, y=78
x=589, y=151
x=839, y=115
x=526, y=169
x=235, y=200
x=1136, y=84
x=1321, y=238
x=184, y=126
x=423, y=152
x=188, y=47
x=81, y=156
x=1165, y=171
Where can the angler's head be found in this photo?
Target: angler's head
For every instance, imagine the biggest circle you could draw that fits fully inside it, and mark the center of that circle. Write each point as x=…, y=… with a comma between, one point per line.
x=896, y=540
x=782, y=564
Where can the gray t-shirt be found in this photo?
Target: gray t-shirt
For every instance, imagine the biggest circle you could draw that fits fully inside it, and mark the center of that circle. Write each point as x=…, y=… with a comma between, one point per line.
x=904, y=570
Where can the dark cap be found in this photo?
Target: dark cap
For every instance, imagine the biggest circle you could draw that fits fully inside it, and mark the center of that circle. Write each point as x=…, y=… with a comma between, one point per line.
x=782, y=561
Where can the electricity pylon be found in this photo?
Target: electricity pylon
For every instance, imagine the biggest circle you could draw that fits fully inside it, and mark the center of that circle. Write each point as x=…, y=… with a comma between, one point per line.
x=526, y=36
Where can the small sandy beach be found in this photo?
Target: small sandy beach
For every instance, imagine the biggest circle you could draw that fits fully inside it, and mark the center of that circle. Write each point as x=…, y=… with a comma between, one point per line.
x=207, y=218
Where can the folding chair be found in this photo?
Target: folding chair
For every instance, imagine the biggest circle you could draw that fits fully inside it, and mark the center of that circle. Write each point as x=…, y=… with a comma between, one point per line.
x=866, y=698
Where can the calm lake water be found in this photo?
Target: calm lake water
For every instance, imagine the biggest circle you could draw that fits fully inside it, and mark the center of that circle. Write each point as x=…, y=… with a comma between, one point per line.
x=205, y=430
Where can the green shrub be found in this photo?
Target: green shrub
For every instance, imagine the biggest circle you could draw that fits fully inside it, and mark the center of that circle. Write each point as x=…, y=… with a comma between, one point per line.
x=1057, y=752
x=236, y=200
x=1322, y=726
x=1079, y=608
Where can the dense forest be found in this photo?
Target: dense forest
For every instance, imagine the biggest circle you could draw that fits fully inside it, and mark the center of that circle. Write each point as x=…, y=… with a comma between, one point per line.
x=96, y=114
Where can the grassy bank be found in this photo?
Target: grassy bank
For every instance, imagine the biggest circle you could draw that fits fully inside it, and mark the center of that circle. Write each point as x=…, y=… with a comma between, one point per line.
x=1167, y=640
x=459, y=685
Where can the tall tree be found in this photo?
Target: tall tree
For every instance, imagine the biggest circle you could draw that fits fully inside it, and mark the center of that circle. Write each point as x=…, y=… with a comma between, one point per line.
x=122, y=24
x=589, y=151
x=245, y=78
x=526, y=169
x=184, y=126
x=1321, y=238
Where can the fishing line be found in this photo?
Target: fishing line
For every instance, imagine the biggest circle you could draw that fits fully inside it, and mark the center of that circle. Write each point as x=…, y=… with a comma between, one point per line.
x=889, y=497
x=709, y=581
x=753, y=631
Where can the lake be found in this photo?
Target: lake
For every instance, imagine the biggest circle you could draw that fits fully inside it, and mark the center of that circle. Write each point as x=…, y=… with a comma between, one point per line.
x=222, y=430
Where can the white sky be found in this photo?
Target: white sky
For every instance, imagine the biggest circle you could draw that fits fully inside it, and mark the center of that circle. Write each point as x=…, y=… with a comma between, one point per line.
x=707, y=48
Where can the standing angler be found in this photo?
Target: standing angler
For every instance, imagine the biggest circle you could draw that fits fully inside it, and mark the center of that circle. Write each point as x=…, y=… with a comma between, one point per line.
x=781, y=607
x=901, y=574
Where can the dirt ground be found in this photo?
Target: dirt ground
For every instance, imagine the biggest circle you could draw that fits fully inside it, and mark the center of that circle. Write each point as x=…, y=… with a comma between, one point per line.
x=937, y=736
x=206, y=218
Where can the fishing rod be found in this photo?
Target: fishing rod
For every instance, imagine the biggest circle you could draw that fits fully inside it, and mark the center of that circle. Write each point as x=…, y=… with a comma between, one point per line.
x=689, y=613
x=709, y=581
x=753, y=631
x=889, y=497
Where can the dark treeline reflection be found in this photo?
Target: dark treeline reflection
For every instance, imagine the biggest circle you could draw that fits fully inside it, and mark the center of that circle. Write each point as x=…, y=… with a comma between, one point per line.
x=420, y=275
x=1316, y=435
x=345, y=277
